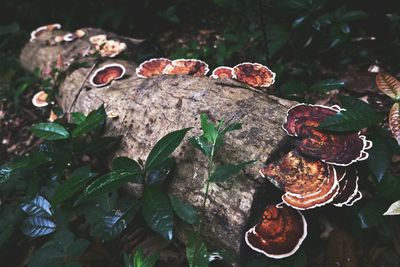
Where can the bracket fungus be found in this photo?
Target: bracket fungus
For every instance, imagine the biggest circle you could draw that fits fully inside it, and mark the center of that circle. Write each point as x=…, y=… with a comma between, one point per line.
x=111, y=48
x=279, y=234
x=254, y=74
x=222, y=72
x=348, y=189
x=152, y=67
x=40, y=99
x=193, y=67
x=106, y=74
x=51, y=27
x=340, y=149
x=307, y=182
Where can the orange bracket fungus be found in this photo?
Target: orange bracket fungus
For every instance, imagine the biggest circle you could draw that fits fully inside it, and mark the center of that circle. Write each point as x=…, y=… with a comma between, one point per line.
x=254, y=74
x=340, y=149
x=222, y=73
x=36, y=33
x=106, y=74
x=152, y=67
x=307, y=182
x=279, y=234
x=40, y=99
x=193, y=67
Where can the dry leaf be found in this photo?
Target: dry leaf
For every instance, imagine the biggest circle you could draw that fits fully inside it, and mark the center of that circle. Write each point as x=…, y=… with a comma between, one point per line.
x=394, y=209
x=389, y=85
x=394, y=121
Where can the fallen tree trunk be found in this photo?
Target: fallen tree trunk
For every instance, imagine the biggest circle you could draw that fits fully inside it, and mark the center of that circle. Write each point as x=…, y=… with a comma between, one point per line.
x=150, y=108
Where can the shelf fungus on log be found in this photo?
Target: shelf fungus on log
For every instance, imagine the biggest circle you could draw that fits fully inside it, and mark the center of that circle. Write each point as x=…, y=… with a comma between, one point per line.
x=193, y=67
x=340, y=149
x=280, y=232
x=40, y=99
x=222, y=72
x=254, y=74
x=39, y=31
x=348, y=192
x=106, y=74
x=307, y=182
x=152, y=67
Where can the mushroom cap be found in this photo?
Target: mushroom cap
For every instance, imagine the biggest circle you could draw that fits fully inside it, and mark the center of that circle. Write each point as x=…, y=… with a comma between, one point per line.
x=254, y=74
x=340, y=149
x=307, y=182
x=279, y=234
x=222, y=73
x=36, y=33
x=348, y=189
x=80, y=33
x=106, y=74
x=40, y=99
x=152, y=67
x=193, y=67
x=111, y=48
x=69, y=37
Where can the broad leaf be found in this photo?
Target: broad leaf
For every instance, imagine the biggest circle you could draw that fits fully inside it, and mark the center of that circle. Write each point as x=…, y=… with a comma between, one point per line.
x=107, y=183
x=394, y=121
x=125, y=164
x=38, y=207
x=196, y=252
x=141, y=261
x=38, y=226
x=101, y=145
x=184, y=210
x=164, y=147
x=78, y=117
x=157, y=212
x=394, y=209
x=351, y=120
x=293, y=87
x=94, y=120
x=224, y=172
x=72, y=185
x=200, y=142
x=380, y=156
x=210, y=132
x=389, y=187
x=50, y=131
x=370, y=214
x=160, y=174
x=389, y=85
x=326, y=86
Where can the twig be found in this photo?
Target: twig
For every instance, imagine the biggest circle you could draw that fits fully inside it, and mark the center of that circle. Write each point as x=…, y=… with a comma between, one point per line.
x=264, y=31
x=80, y=90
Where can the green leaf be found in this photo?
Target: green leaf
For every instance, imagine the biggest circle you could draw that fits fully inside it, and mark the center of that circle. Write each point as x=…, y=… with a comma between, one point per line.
x=160, y=174
x=370, y=214
x=94, y=120
x=210, y=133
x=293, y=87
x=351, y=120
x=141, y=261
x=49, y=131
x=107, y=183
x=125, y=164
x=224, y=172
x=196, y=251
x=72, y=185
x=78, y=117
x=326, y=86
x=184, y=210
x=164, y=147
x=101, y=145
x=157, y=212
x=389, y=187
x=380, y=156
x=353, y=15
x=394, y=209
x=200, y=142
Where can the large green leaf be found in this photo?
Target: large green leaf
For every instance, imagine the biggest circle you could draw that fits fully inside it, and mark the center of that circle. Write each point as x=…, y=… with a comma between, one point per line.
x=101, y=145
x=358, y=115
x=380, y=156
x=158, y=175
x=49, y=131
x=125, y=164
x=200, y=142
x=164, y=147
x=72, y=185
x=157, y=212
x=107, y=183
x=184, y=210
x=370, y=214
x=94, y=120
x=326, y=86
x=224, y=172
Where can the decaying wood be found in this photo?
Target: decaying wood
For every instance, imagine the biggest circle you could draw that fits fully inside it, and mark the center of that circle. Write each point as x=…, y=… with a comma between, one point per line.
x=150, y=108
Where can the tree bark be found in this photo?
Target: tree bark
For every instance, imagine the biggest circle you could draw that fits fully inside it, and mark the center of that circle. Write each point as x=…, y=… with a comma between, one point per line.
x=150, y=108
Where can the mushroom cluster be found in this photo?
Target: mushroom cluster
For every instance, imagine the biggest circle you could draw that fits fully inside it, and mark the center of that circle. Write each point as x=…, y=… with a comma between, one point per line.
x=253, y=74
x=107, y=48
x=159, y=66
x=316, y=173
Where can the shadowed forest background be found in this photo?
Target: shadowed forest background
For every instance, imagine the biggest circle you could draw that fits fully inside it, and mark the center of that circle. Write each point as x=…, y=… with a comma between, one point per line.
x=320, y=50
